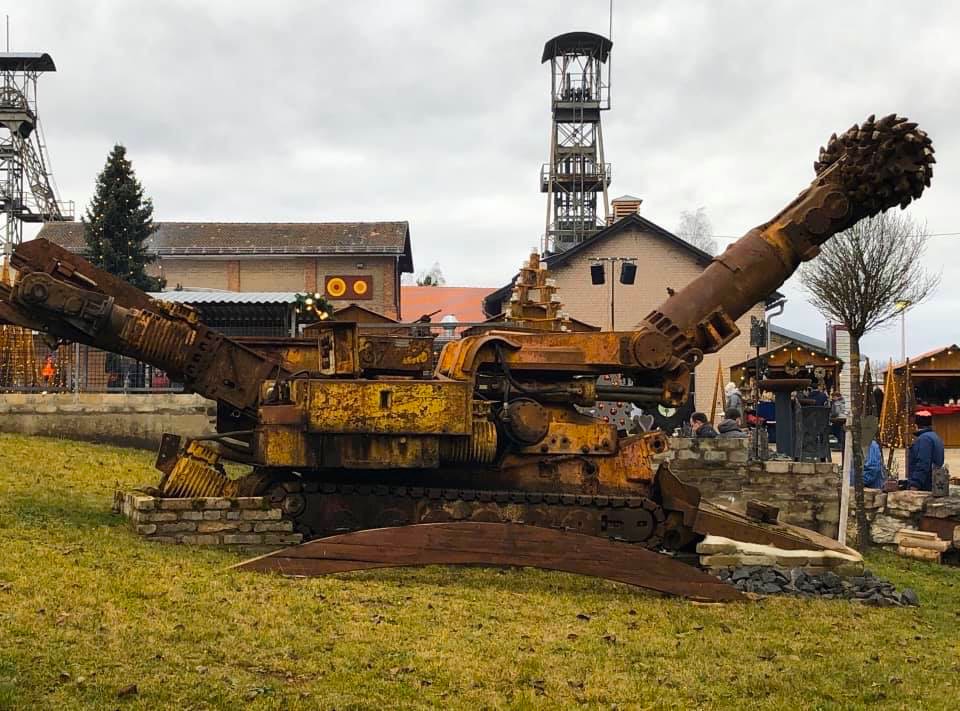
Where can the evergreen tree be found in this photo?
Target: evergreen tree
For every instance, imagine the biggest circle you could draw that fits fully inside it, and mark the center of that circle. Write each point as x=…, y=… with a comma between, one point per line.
x=118, y=222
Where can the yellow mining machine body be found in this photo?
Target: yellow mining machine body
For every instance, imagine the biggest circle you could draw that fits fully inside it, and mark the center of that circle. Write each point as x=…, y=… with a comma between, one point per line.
x=348, y=431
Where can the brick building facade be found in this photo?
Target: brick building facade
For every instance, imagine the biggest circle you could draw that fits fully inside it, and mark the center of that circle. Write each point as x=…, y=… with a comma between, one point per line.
x=348, y=262
x=663, y=261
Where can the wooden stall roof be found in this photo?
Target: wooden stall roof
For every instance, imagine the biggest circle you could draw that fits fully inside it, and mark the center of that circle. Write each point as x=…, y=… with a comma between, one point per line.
x=939, y=363
x=801, y=353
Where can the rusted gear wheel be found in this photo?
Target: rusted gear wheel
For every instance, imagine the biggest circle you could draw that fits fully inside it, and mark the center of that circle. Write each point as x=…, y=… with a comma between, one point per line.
x=642, y=521
x=255, y=483
x=287, y=496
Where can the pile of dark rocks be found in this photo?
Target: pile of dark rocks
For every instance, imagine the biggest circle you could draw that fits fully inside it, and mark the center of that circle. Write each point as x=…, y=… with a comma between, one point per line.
x=866, y=588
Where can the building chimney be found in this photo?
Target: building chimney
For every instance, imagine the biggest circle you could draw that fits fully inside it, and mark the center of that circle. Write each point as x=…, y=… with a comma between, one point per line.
x=624, y=206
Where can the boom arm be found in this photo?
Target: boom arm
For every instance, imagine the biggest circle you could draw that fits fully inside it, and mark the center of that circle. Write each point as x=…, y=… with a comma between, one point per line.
x=868, y=169
x=63, y=295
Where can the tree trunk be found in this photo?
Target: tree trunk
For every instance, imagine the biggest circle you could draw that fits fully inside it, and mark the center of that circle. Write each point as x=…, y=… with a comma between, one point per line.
x=856, y=405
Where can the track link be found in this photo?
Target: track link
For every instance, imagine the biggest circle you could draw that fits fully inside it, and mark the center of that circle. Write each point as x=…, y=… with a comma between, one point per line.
x=324, y=509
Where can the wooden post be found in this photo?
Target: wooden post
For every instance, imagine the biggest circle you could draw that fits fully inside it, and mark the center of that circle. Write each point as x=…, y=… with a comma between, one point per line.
x=717, y=391
x=845, y=472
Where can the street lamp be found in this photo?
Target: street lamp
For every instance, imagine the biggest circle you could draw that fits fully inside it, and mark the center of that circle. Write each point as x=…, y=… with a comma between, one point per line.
x=902, y=305
x=628, y=274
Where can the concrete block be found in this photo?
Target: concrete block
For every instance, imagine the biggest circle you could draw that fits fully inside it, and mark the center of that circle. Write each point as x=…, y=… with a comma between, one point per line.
x=160, y=517
x=706, y=445
x=216, y=526
x=214, y=503
x=273, y=527
x=242, y=538
x=267, y=515
x=720, y=560
x=717, y=456
x=162, y=539
x=738, y=456
x=686, y=454
x=678, y=443
x=885, y=527
x=212, y=515
x=204, y=540
x=733, y=443
x=907, y=501
x=250, y=502
x=946, y=507
x=919, y=553
x=178, y=527
x=286, y=539
x=232, y=515
x=146, y=529
x=956, y=537
x=191, y=515
x=804, y=468
x=873, y=498
x=777, y=467
x=244, y=526
x=920, y=539
x=143, y=503
x=826, y=468
x=711, y=545
x=175, y=504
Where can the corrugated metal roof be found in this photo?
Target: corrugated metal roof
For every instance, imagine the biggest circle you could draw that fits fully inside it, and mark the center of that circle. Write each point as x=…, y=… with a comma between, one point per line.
x=225, y=297
x=798, y=337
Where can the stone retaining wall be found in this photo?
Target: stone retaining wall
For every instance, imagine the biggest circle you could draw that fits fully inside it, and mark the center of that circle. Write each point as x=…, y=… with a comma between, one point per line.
x=888, y=513
x=109, y=418
x=807, y=493
x=244, y=522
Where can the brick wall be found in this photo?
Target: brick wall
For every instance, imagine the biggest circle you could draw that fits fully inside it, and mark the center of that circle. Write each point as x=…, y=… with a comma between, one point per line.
x=217, y=521
x=660, y=264
x=383, y=271
x=195, y=273
x=296, y=274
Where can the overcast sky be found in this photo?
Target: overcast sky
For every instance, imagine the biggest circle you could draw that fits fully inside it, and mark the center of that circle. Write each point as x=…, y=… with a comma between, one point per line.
x=438, y=113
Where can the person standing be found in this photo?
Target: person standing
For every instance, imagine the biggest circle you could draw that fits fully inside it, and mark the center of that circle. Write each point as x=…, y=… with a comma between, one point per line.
x=925, y=453
x=838, y=417
x=733, y=399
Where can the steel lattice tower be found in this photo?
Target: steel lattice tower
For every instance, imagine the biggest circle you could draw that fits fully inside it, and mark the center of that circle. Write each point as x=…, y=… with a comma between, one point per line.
x=576, y=174
x=27, y=189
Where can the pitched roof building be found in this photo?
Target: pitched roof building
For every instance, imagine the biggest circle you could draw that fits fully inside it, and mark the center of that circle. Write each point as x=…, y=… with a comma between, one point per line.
x=346, y=261
x=664, y=261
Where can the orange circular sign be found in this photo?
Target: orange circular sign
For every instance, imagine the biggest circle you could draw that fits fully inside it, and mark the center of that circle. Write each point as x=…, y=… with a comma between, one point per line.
x=336, y=287
x=359, y=287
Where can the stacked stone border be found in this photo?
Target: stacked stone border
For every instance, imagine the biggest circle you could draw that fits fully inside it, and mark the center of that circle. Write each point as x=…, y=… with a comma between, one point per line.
x=888, y=513
x=242, y=522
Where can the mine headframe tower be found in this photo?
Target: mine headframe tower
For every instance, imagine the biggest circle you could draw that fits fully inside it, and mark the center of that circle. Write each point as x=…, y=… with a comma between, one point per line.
x=27, y=189
x=576, y=174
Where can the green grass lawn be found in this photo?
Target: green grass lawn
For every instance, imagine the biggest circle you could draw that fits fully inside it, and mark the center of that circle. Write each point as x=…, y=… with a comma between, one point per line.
x=87, y=609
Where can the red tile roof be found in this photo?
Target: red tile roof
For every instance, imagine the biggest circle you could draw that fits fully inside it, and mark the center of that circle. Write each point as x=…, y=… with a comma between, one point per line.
x=464, y=302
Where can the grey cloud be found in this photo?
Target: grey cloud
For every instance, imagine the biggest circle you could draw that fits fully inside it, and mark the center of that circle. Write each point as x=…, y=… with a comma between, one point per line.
x=437, y=112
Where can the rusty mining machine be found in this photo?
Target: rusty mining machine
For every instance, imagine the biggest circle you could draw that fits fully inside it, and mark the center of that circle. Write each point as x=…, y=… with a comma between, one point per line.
x=380, y=465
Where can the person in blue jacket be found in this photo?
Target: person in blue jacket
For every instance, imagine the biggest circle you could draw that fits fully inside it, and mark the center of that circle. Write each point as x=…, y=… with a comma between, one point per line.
x=925, y=453
x=874, y=474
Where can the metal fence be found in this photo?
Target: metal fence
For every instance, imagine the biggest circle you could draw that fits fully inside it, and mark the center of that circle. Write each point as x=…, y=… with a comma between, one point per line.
x=29, y=364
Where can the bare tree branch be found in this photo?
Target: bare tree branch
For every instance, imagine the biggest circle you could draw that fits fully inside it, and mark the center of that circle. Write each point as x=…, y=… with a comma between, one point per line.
x=864, y=273
x=863, y=278
x=696, y=229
